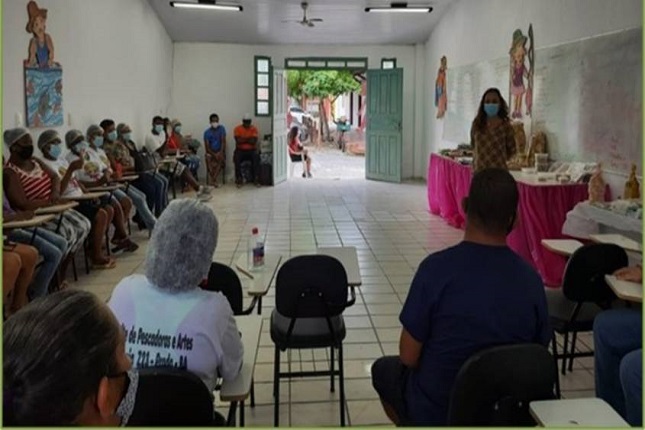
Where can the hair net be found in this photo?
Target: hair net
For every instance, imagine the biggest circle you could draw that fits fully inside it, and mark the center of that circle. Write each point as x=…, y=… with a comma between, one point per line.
x=46, y=137
x=71, y=136
x=13, y=135
x=92, y=130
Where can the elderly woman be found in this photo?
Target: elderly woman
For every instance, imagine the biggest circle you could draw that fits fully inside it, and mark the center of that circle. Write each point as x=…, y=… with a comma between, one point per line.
x=181, y=324
x=186, y=144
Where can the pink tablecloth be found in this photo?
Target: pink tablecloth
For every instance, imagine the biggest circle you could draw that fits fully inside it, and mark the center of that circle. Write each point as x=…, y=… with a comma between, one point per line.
x=542, y=212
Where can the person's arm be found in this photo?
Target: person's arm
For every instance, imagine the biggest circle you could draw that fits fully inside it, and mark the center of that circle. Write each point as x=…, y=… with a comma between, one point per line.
x=50, y=47
x=56, y=190
x=69, y=174
x=16, y=194
x=18, y=216
x=630, y=274
x=32, y=52
x=409, y=349
x=233, y=350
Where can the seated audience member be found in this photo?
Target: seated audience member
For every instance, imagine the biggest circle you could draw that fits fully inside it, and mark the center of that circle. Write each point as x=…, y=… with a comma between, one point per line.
x=156, y=145
x=177, y=261
x=93, y=174
x=29, y=184
x=115, y=171
x=50, y=246
x=297, y=151
x=65, y=364
x=246, y=149
x=99, y=212
x=618, y=356
x=178, y=143
x=215, y=147
x=472, y=296
x=139, y=162
x=18, y=265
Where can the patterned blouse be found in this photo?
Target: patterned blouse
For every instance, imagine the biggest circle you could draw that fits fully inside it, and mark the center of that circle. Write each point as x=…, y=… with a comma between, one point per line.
x=492, y=147
x=120, y=153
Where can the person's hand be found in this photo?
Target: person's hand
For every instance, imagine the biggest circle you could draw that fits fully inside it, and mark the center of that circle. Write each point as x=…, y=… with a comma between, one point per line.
x=57, y=201
x=76, y=164
x=24, y=215
x=630, y=274
x=219, y=156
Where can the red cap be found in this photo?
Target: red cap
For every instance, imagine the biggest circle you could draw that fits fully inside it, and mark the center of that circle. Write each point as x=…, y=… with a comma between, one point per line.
x=255, y=230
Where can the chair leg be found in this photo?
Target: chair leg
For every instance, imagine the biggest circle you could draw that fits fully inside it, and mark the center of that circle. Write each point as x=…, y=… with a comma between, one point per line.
x=276, y=388
x=86, y=258
x=341, y=384
x=554, y=347
x=73, y=256
x=241, y=414
x=565, y=352
x=573, y=350
x=252, y=394
x=331, y=368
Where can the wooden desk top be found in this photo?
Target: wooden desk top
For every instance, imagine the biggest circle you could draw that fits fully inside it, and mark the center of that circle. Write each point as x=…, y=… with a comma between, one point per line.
x=56, y=208
x=258, y=280
x=625, y=290
x=239, y=388
x=565, y=247
x=34, y=222
x=349, y=258
x=88, y=196
x=585, y=412
x=618, y=239
x=128, y=178
x=105, y=188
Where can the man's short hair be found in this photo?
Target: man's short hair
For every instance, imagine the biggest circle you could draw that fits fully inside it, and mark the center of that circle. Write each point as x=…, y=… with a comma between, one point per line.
x=106, y=123
x=492, y=201
x=213, y=115
x=157, y=118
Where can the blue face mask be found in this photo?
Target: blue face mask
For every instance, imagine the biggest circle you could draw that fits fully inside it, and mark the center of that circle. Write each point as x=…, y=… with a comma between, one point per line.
x=81, y=146
x=178, y=129
x=158, y=128
x=98, y=141
x=112, y=136
x=127, y=137
x=491, y=109
x=55, y=151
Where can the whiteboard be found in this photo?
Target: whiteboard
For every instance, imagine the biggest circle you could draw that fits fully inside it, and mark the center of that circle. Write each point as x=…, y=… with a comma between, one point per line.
x=587, y=98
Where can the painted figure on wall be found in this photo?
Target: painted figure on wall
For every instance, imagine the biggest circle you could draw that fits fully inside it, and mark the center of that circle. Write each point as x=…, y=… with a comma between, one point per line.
x=520, y=74
x=43, y=76
x=441, y=96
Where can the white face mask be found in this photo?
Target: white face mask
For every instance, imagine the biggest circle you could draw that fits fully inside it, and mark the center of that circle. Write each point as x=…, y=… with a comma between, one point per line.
x=214, y=124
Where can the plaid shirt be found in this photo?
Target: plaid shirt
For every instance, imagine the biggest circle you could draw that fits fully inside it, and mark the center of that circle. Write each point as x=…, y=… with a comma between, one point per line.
x=493, y=147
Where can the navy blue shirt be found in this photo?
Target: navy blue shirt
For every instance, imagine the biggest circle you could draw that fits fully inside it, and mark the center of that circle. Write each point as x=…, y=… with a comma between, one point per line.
x=462, y=300
x=214, y=137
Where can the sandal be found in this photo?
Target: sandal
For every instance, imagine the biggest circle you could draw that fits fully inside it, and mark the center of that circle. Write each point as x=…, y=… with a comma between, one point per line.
x=125, y=245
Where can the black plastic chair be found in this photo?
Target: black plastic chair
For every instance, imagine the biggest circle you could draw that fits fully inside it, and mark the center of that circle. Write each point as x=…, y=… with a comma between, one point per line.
x=311, y=295
x=495, y=386
x=584, y=285
x=224, y=279
x=169, y=397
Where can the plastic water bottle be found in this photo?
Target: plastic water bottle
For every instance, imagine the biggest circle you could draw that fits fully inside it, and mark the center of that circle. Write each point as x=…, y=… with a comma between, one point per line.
x=256, y=249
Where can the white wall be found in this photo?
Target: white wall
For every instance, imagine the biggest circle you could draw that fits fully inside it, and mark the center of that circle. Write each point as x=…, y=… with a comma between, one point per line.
x=116, y=58
x=476, y=30
x=209, y=77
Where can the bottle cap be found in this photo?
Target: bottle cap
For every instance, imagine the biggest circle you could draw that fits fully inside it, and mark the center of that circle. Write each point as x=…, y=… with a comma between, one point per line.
x=254, y=230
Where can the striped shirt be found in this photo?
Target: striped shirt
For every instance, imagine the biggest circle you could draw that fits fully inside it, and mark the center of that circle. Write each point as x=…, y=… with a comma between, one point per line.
x=37, y=184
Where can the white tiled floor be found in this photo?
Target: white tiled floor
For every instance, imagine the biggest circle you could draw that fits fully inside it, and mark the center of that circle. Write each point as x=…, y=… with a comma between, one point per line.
x=393, y=231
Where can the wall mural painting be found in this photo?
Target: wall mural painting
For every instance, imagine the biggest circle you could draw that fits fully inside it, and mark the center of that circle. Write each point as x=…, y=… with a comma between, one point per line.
x=440, y=94
x=43, y=75
x=521, y=73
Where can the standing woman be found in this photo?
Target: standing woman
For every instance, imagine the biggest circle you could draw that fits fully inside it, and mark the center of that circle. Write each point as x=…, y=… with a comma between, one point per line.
x=491, y=134
x=297, y=151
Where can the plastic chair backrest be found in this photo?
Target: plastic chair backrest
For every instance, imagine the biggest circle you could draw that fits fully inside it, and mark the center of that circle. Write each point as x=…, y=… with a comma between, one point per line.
x=171, y=397
x=584, y=275
x=224, y=279
x=494, y=386
x=311, y=286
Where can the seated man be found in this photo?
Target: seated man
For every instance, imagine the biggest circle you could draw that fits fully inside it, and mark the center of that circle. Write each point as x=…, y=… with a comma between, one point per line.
x=618, y=343
x=246, y=148
x=215, y=146
x=472, y=296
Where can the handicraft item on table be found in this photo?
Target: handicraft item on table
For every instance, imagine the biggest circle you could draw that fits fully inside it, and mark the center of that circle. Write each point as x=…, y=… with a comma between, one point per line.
x=632, y=187
x=596, y=187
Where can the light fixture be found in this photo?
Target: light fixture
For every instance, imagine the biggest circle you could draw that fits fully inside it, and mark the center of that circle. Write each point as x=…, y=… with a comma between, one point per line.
x=206, y=4
x=398, y=7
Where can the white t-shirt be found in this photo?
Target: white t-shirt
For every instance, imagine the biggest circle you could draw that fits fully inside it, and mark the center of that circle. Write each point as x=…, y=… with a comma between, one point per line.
x=155, y=141
x=93, y=167
x=193, y=330
x=60, y=166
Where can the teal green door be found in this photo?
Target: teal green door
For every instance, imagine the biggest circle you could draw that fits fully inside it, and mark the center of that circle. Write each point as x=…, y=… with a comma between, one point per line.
x=384, y=142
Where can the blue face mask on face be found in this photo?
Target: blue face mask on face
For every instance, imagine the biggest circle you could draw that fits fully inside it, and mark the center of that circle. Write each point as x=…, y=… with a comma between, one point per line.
x=112, y=136
x=55, y=151
x=98, y=141
x=81, y=146
x=127, y=137
x=158, y=128
x=178, y=129
x=491, y=109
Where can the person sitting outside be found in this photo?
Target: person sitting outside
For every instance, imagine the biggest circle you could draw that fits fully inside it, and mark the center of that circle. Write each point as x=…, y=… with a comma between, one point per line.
x=51, y=246
x=18, y=265
x=297, y=151
x=246, y=149
x=139, y=162
x=99, y=212
x=94, y=174
x=64, y=364
x=618, y=356
x=215, y=147
x=201, y=323
x=180, y=144
x=30, y=184
x=464, y=299
x=107, y=130
x=156, y=145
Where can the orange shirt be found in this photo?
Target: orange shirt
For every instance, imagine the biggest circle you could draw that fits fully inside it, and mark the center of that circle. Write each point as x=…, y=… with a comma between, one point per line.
x=241, y=131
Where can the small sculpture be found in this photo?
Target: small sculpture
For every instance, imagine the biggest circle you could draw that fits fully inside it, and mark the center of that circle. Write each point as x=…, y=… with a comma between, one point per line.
x=41, y=45
x=519, y=159
x=596, y=187
x=632, y=187
x=538, y=146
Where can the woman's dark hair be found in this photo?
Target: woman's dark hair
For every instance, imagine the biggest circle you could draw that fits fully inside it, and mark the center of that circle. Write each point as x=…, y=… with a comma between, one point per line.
x=480, y=120
x=213, y=116
x=56, y=350
x=156, y=119
x=293, y=133
x=492, y=201
x=106, y=123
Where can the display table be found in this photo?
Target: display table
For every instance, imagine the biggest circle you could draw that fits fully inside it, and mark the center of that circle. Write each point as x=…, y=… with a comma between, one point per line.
x=542, y=211
x=586, y=219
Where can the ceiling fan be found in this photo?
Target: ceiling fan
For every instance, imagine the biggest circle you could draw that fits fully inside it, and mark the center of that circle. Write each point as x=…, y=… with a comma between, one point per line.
x=307, y=22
